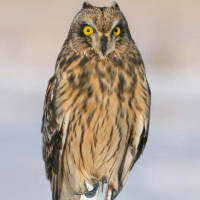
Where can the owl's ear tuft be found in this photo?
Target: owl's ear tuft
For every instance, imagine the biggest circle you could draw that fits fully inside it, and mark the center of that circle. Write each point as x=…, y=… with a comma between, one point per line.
x=115, y=6
x=86, y=5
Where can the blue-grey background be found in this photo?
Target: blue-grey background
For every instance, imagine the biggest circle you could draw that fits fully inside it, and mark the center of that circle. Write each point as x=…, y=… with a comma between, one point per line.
x=167, y=34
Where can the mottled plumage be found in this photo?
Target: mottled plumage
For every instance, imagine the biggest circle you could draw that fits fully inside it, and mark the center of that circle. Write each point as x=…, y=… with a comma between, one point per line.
x=97, y=105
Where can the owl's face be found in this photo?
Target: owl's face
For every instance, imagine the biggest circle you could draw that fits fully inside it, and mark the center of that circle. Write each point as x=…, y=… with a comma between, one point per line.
x=100, y=32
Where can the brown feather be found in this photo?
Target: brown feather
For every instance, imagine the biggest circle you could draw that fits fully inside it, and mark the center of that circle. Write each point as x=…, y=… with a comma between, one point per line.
x=96, y=111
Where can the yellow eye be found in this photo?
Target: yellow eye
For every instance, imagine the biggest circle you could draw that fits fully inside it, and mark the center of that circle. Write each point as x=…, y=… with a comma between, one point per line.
x=88, y=30
x=117, y=31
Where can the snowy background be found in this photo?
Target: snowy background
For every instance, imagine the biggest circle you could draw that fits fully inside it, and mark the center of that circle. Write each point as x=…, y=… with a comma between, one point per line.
x=167, y=34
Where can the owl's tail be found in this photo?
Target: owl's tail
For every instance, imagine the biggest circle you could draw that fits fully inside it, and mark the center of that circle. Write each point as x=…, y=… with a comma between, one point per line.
x=102, y=191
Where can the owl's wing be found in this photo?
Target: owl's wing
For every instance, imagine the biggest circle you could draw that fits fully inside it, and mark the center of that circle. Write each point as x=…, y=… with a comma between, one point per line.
x=138, y=140
x=54, y=137
x=145, y=127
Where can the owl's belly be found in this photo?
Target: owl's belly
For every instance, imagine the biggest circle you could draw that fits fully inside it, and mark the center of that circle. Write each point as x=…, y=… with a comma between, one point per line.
x=97, y=141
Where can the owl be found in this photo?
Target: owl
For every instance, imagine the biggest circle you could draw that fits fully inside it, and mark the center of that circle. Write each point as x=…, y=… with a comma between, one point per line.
x=97, y=108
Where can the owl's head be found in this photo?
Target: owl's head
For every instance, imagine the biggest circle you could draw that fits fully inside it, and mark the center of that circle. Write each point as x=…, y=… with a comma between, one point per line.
x=100, y=31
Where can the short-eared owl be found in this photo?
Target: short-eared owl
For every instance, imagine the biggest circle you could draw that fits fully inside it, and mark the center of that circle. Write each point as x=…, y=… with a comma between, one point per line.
x=96, y=109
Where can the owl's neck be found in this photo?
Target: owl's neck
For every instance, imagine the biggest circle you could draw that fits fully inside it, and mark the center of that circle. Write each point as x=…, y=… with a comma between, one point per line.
x=70, y=56
x=69, y=48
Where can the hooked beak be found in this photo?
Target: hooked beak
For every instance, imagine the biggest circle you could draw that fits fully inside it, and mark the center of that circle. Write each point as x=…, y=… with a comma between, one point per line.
x=103, y=44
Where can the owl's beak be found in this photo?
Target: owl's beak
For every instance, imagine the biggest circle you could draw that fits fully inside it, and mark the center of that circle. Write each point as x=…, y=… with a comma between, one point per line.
x=103, y=44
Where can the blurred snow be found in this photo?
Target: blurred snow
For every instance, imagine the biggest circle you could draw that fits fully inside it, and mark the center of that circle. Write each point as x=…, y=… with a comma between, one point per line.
x=168, y=36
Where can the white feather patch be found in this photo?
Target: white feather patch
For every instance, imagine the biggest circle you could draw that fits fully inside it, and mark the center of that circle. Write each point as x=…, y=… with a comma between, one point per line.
x=102, y=192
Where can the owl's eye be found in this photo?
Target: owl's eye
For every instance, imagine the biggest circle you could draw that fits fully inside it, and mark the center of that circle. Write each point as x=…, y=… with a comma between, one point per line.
x=117, y=30
x=88, y=30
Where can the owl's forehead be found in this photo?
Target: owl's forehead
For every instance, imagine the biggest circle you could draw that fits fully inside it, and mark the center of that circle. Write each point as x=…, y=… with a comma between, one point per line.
x=102, y=18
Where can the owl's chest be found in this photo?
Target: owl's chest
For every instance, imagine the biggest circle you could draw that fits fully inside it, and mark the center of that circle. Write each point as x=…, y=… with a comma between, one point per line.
x=100, y=115
x=103, y=87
